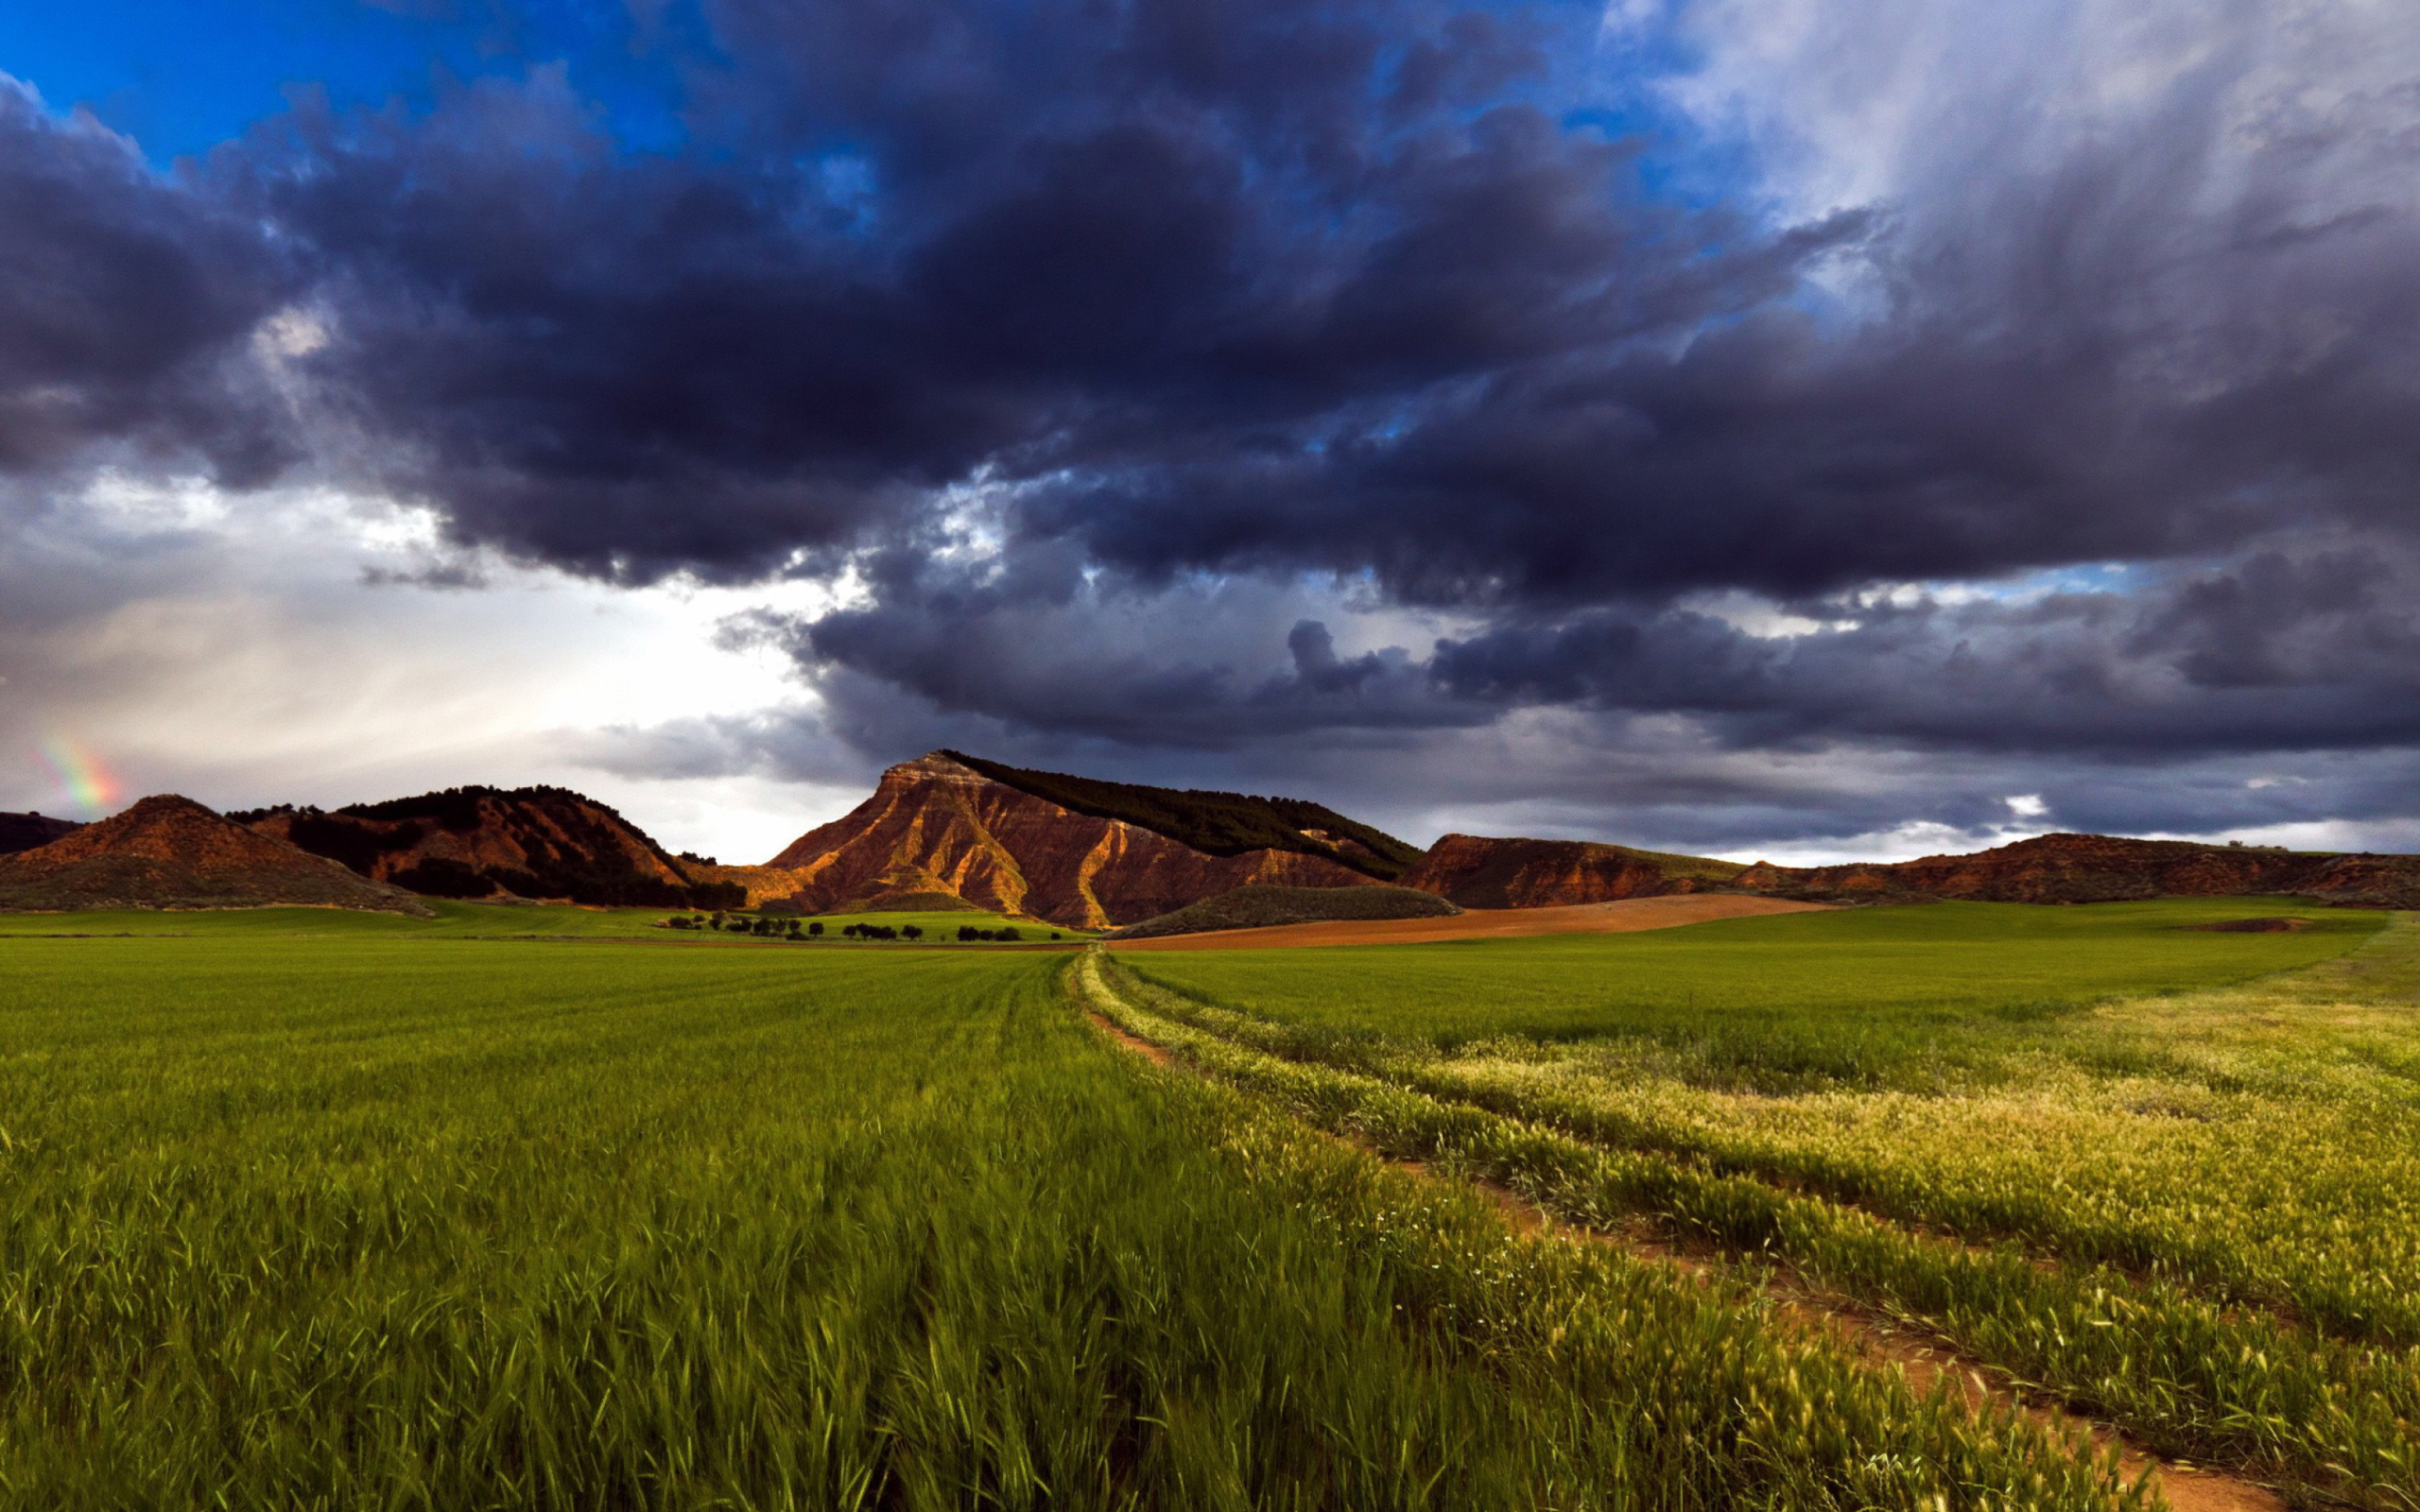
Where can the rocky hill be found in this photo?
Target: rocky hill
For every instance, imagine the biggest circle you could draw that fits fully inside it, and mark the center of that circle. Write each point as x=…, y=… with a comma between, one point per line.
x=1070, y=849
x=2086, y=869
x=482, y=842
x=23, y=831
x=172, y=852
x=1479, y=872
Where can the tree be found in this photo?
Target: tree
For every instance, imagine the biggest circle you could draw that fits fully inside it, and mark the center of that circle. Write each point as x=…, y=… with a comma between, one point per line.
x=911, y=931
x=1009, y=934
x=968, y=934
x=815, y=929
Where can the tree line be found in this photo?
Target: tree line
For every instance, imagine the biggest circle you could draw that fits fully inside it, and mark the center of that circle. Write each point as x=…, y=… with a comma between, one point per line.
x=809, y=929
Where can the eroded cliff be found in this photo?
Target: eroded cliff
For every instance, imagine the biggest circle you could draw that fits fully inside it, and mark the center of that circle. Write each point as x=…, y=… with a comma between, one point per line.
x=936, y=824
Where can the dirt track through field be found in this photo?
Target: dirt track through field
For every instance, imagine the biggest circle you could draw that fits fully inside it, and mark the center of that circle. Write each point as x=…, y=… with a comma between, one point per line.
x=1923, y=1361
x=1622, y=918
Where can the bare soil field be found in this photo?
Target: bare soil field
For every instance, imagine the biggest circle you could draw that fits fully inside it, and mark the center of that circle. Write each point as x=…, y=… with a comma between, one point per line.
x=1621, y=918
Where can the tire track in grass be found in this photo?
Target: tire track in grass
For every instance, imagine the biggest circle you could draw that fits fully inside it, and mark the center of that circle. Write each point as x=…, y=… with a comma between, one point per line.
x=1922, y=1359
x=2198, y=1378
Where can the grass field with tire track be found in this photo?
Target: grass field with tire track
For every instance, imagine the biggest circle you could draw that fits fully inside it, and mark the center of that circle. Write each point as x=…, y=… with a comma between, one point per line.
x=386, y=1221
x=2189, y=1212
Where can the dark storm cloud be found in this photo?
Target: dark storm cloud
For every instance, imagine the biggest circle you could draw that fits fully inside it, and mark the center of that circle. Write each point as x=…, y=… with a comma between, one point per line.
x=2281, y=649
x=1265, y=287
x=124, y=299
x=1046, y=649
x=1165, y=257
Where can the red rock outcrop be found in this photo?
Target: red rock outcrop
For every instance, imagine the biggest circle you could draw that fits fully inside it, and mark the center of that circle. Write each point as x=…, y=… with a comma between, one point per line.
x=172, y=852
x=477, y=842
x=2083, y=868
x=1481, y=871
x=937, y=825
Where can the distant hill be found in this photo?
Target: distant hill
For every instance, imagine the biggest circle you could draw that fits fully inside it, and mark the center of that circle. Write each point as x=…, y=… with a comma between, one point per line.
x=2090, y=869
x=171, y=853
x=1071, y=849
x=1261, y=907
x=481, y=842
x=1480, y=872
x=23, y=831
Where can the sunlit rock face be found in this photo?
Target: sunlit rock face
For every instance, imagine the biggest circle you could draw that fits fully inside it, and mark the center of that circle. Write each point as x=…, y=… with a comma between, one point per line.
x=937, y=825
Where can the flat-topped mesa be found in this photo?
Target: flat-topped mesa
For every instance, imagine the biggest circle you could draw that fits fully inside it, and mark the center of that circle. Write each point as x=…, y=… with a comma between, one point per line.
x=2081, y=868
x=1070, y=849
x=1483, y=871
x=168, y=851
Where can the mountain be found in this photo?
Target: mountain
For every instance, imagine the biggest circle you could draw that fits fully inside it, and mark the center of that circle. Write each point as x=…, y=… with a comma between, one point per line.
x=480, y=842
x=1217, y=824
x=2090, y=869
x=23, y=831
x=1070, y=849
x=171, y=853
x=1478, y=871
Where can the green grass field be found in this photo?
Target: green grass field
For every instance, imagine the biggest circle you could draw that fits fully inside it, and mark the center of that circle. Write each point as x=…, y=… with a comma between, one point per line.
x=1858, y=991
x=461, y=921
x=2170, y=1178
x=395, y=1220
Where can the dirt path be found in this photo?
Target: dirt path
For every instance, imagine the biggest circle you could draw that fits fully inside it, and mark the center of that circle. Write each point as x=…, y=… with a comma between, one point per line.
x=1621, y=918
x=1923, y=1361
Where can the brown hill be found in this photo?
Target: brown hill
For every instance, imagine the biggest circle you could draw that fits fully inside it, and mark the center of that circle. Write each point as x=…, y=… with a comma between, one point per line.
x=171, y=853
x=23, y=831
x=753, y=887
x=2085, y=869
x=1069, y=850
x=482, y=842
x=1479, y=872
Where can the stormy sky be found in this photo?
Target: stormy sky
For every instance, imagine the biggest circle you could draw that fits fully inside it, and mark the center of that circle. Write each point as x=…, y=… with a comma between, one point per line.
x=1746, y=426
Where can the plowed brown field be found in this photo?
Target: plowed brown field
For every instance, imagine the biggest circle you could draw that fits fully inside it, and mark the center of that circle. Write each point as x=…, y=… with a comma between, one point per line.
x=1621, y=918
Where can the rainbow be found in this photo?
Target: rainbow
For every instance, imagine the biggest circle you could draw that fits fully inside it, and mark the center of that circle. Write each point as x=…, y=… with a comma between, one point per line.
x=86, y=781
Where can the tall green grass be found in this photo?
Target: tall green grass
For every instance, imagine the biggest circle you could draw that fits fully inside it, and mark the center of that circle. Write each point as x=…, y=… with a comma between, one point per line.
x=416, y=1222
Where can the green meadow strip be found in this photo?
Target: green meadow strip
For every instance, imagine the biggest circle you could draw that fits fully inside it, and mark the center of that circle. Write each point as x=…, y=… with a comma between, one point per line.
x=2183, y=1375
